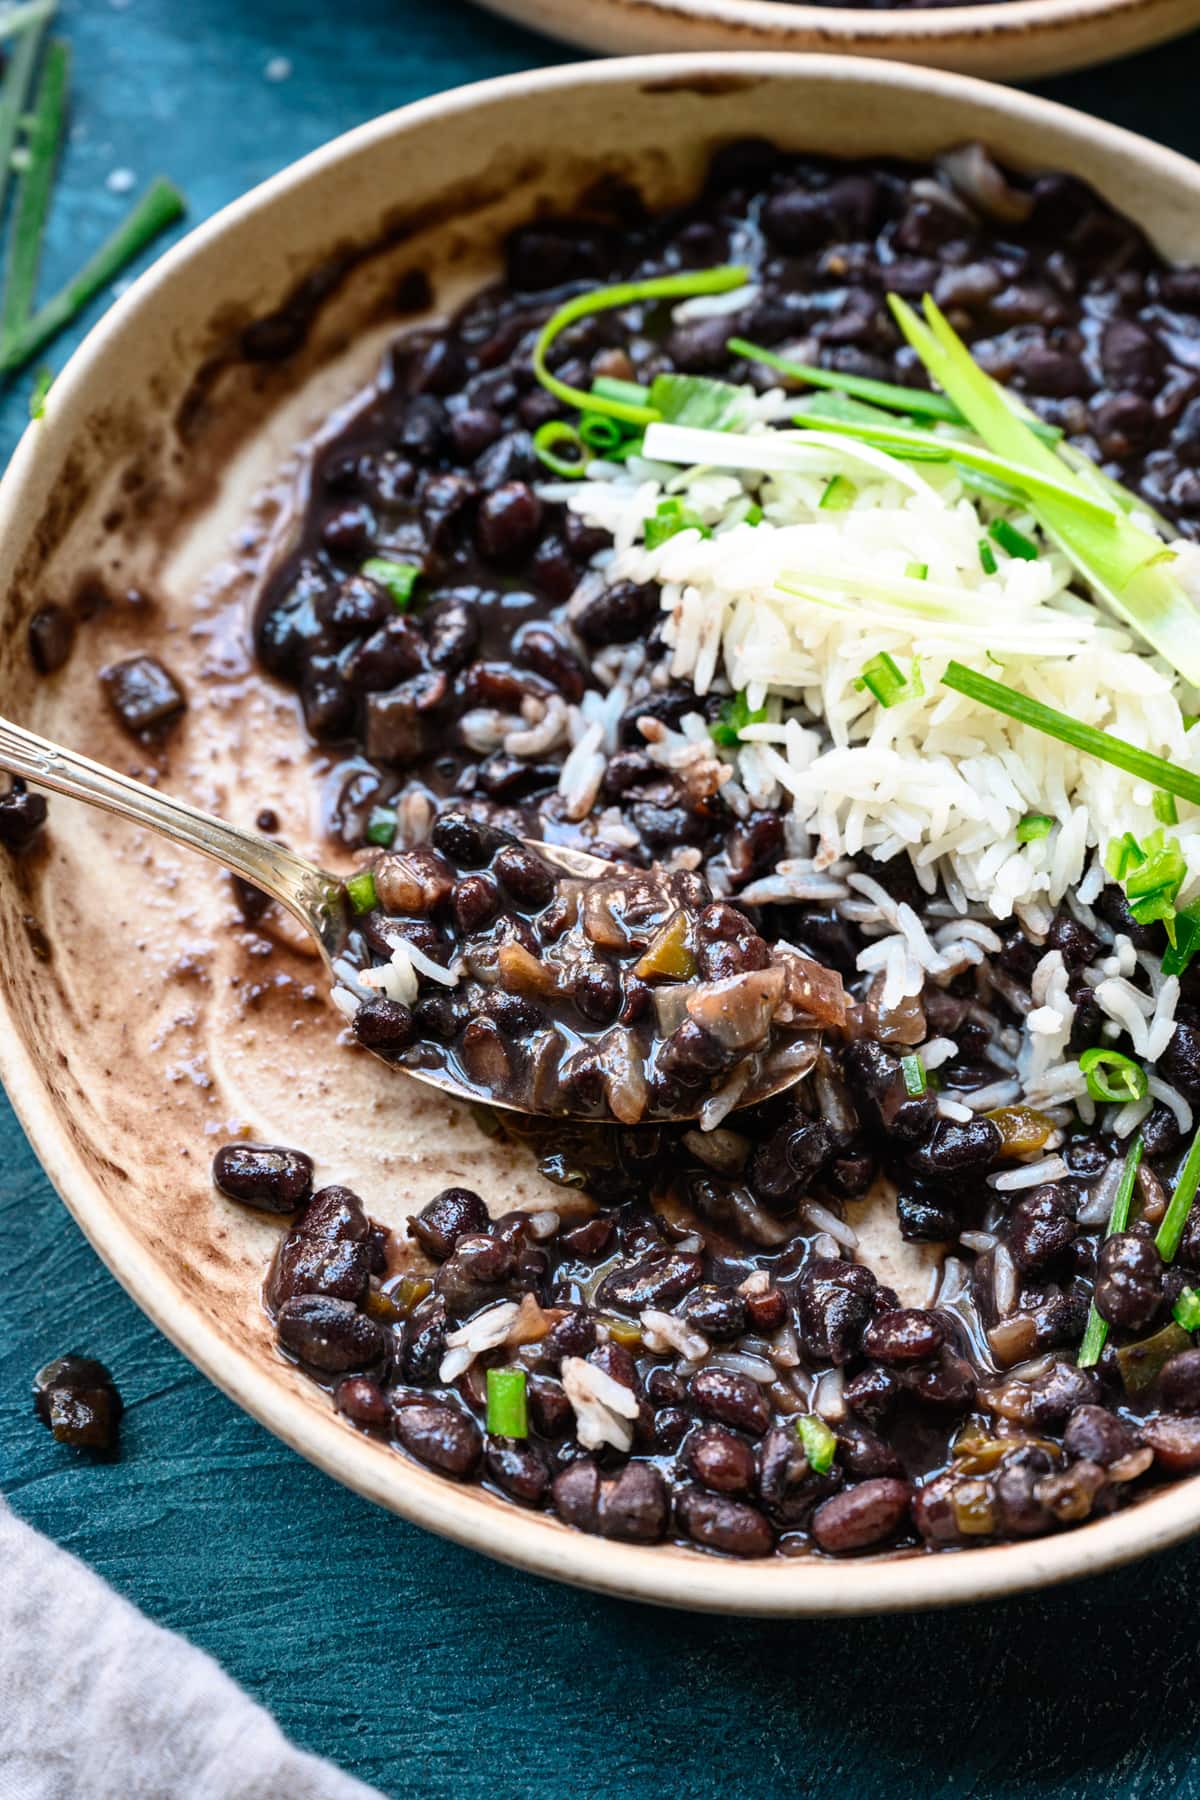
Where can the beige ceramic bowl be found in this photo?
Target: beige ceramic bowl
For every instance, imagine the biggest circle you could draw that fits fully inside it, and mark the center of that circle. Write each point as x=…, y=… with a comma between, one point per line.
x=1009, y=40
x=140, y=1027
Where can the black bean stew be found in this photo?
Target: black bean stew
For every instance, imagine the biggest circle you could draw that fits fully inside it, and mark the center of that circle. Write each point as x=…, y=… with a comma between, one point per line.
x=688, y=1348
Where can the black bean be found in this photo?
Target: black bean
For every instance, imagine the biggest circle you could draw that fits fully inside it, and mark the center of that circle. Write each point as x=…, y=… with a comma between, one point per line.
x=1174, y=1440
x=1161, y=1135
x=788, y=1484
x=386, y=658
x=1041, y=1227
x=957, y=1149
x=863, y=1455
x=1131, y=356
x=719, y=1460
x=354, y=607
x=331, y=1335
x=871, y=1395
x=1180, y=1061
x=76, y=1398
x=671, y=1426
x=1058, y=1392
x=665, y=1388
x=334, y=1213
x=924, y=1220
x=731, y=1399
x=783, y=1168
x=424, y=1340
x=717, y=1312
x=550, y=1411
x=452, y=1214
x=474, y=429
x=383, y=1024
x=266, y=1176
x=903, y=1335
x=363, y=1401
x=861, y=1516
x=1129, y=1281
x=877, y=1085
x=474, y=901
x=508, y=521
x=1017, y=1508
x=597, y=992
x=572, y=1335
x=1180, y=1382
x=452, y=628
x=142, y=693
x=618, y=615
x=590, y=1239
x=305, y=1265
x=476, y=1271
x=1077, y=945
x=51, y=635
x=1096, y=1436
x=947, y=1384
x=766, y=1311
x=720, y=1523
x=520, y=1469
x=543, y=650
x=833, y=1306
x=467, y=842
x=22, y=815
x=634, y=1507
x=658, y=1281
x=441, y=1437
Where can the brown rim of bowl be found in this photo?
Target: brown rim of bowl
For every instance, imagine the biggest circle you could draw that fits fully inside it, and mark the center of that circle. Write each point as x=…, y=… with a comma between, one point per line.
x=536, y=1541
x=1004, y=38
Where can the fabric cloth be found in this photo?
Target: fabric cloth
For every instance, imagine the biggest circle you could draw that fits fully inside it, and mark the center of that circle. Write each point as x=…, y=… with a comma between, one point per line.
x=97, y=1703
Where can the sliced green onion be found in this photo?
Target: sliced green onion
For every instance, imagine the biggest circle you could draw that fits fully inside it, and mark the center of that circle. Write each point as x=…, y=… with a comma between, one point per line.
x=547, y=440
x=600, y=433
x=820, y=1445
x=42, y=383
x=916, y=571
x=1178, y=956
x=398, y=578
x=1186, y=1310
x=381, y=826
x=360, y=891
x=671, y=516
x=1153, y=873
x=835, y=405
x=1096, y=1330
x=915, y=1079
x=987, y=557
x=1170, y=1232
x=1112, y=1076
x=1034, y=826
x=882, y=678
x=631, y=393
x=507, y=1405
x=1088, y=738
x=1190, y=719
x=1123, y=853
x=733, y=718
x=1120, y=561
x=624, y=293
x=754, y=514
x=1012, y=540
x=839, y=494
x=699, y=401
x=1165, y=809
x=916, y=402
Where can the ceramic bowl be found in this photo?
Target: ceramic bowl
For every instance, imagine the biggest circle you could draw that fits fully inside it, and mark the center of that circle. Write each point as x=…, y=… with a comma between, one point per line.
x=1011, y=40
x=138, y=1027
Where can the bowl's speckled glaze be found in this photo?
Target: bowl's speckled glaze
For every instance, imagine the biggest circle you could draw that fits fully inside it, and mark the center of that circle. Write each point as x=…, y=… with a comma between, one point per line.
x=165, y=469
x=1011, y=40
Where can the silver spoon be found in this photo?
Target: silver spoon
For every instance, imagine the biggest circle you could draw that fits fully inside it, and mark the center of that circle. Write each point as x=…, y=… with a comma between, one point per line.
x=311, y=894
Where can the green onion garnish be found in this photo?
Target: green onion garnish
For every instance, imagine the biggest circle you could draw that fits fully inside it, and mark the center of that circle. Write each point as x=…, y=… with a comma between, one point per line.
x=1088, y=738
x=1165, y=809
x=1097, y=1328
x=381, y=826
x=987, y=557
x=28, y=25
x=398, y=578
x=839, y=494
x=916, y=402
x=916, y=571
x=1177, y=956
x=1112, y=1076
x=733, y=718
x=699, y=401
x=1034, y=826
x=33, y=190
x=1123, y=853
x=1152, y=874
x=820, y=1445
x=1012, y=540
x=882, y=678
x=42, y=383
x=624, y=293
x=1120, y=561
x=754, y=514
x=610, y=387
x=671, y=516
x=1170, y=1232
x=915, y=1079
x=1186, y=1310
x=548, y=439
x=600, y=433
x=360, y=891
x=507, y=1407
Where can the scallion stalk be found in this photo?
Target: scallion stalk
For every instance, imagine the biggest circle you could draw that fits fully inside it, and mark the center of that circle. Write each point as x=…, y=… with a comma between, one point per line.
x=33, y=191
x=28, y=25
x=507, y=1403
x=1096, y=1330
x=1170, y=1232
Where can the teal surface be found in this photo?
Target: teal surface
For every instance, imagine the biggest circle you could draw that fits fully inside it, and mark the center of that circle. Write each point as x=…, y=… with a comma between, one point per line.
x=417, y=1665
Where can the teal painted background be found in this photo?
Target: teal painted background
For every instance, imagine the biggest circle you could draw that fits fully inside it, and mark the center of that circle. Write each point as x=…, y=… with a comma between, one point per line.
x=417, y=1665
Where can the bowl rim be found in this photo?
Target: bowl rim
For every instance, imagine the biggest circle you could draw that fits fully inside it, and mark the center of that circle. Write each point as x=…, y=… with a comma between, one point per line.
x=536, y=1541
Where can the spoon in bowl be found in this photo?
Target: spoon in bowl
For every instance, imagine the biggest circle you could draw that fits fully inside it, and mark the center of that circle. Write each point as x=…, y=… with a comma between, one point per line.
x=792, y=989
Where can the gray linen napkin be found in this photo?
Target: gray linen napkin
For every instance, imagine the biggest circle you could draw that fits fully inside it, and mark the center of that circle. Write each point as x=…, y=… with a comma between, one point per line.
x=97, y=1703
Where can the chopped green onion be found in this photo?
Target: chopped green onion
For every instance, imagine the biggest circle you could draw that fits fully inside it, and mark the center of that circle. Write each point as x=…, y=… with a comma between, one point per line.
x=398, y=578
x=34, y=189
x=1186, y=1310
x=42, y=382
x=1165, y=809
x=1034, y=826
x=987, y=557
x=1123, y=853
x=1012, y=540
x=546, y=440
x=1152, y=872
x=624, y=293
x=754, y=514
x=839, y=494
x=820, y=1445
x=1088, y=738
x=1190, y=719
x=1178, y=956
x=1112, y=1076
x=915, y=1079
x=1170, y=1232
x=916, y=571
x=609, y=387
x=360, y=891
x=733, y=718
x=1119, y=560
x=600, y=433
x=507, y=1406
x=671, y=516
x=700, y=401
x=882, y=678
x=819, y=408
x=1096, y=1330
x=381, y=826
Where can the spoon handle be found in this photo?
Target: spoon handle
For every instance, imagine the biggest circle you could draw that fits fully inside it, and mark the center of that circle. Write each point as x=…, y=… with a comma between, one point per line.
x=307, y=891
